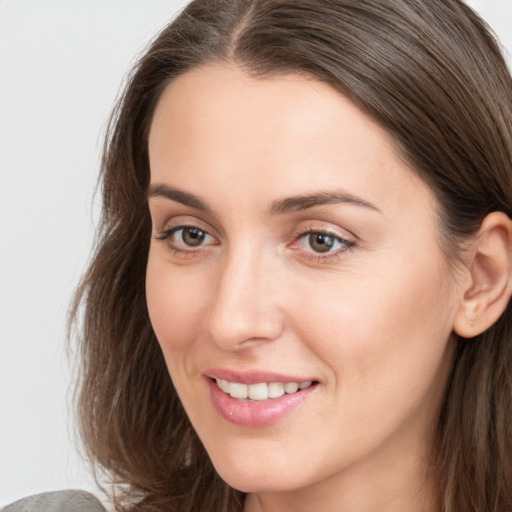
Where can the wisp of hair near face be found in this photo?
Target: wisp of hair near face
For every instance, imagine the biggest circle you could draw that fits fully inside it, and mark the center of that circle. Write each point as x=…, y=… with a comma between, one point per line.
x=428, y=72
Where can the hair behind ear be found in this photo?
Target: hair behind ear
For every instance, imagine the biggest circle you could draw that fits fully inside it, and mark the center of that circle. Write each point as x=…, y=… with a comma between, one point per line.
x=474, y=430
x=474, y=437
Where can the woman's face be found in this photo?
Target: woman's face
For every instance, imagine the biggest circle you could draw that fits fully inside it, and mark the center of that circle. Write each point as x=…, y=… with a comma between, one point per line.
x=292, y=245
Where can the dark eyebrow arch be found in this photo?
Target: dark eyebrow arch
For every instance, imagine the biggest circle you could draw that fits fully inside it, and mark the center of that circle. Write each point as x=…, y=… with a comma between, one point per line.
x=174, y=194
x=306, y=201
x=278, y=207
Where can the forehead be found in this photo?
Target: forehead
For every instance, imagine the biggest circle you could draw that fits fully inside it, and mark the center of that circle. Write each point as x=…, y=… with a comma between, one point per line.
x=285, y=134
x=201, y=105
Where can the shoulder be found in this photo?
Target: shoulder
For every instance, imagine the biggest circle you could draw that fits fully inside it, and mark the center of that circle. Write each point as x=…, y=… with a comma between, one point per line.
x=60, y=501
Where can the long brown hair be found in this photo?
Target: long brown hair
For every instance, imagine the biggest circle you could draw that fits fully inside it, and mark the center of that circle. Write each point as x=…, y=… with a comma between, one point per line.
x=432, y=75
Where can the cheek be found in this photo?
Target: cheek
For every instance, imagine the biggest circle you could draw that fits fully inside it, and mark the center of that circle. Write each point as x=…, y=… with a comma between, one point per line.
x=382, y=330
x=175, y=304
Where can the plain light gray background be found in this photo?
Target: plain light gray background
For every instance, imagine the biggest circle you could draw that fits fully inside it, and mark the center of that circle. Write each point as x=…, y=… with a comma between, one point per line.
x=61, y=64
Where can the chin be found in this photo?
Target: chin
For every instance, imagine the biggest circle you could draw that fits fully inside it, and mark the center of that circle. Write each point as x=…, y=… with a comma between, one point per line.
x=249, y=475
x=261, y=483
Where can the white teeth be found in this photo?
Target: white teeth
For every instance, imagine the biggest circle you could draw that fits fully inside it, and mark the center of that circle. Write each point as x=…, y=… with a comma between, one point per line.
x=260, y=391
x=237, y=390
x=275, y=389
x=291, y=387
x=223, y=384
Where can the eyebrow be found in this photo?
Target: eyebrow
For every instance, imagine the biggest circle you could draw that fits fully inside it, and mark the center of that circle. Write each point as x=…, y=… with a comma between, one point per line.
x=180, y=196
x=306, y=201
x=278, y=207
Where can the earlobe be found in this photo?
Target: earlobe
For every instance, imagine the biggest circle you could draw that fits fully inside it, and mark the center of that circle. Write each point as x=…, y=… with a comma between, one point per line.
x=486, y=296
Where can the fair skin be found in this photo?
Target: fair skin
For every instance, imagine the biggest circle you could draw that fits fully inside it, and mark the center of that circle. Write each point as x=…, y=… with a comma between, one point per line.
x=353, y=293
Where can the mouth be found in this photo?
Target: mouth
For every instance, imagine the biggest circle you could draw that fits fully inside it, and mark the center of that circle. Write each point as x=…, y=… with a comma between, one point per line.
x=261, y=391
x=257, y=399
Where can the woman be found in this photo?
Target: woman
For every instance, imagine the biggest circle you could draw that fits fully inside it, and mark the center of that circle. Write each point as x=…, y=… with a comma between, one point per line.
x=307, y=227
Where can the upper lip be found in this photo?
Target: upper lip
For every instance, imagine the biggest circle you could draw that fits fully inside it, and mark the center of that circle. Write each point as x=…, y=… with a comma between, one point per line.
x=252, y=377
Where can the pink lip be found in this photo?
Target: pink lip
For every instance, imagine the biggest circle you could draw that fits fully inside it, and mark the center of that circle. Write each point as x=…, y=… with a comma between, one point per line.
x=259, y=413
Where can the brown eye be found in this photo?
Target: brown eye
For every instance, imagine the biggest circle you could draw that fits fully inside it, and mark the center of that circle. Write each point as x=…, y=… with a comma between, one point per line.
x=193, y=237
x=321, y=242
x=187, y=239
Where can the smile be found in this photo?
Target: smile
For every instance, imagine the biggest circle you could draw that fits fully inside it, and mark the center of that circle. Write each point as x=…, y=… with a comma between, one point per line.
x=260, y=391
x=257, y=399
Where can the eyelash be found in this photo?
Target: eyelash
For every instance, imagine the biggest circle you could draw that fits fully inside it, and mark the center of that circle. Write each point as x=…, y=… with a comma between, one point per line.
x=347, y=245
x=167, y=237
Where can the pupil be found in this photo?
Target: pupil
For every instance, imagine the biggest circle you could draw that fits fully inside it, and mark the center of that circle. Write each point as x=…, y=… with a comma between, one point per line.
x=193, y=236
x=320, y=242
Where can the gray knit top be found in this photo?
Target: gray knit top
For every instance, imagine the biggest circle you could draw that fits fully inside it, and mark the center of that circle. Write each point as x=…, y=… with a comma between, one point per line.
x=60, y=501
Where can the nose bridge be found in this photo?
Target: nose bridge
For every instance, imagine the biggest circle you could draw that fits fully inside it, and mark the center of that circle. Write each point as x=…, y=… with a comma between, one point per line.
x=245, y=307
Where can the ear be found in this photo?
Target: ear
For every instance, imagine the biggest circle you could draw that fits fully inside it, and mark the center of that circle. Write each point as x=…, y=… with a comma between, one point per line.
x=488, y=288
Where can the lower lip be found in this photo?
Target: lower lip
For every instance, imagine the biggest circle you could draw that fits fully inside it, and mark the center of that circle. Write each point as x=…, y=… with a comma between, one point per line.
x=258, y=413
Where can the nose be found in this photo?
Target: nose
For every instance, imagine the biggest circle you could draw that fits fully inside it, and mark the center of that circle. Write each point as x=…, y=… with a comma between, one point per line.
x=245, y=310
